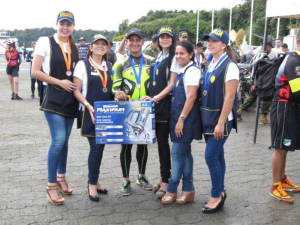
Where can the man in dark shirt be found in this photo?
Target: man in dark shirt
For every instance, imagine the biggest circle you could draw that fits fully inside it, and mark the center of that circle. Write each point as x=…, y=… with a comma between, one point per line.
x=82, y=48
x=112, y=57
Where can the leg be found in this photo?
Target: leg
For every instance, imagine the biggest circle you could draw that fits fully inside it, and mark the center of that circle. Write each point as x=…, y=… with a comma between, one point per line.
x=16, y=85
x=125, y=158
x=188, y=161
x=11, y=82
x=33, y=81
x=142, y=157
x=278, y=164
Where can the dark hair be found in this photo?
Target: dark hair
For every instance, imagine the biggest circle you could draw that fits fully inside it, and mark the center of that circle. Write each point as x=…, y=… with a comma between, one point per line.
x=278, y=39
x=188, y=47
x=230, y=54
x=199, y=44
x=110, y=43
x=269, y=43
x=172, y=47
x=74, y=48
x=284, y=45
x=90, y=53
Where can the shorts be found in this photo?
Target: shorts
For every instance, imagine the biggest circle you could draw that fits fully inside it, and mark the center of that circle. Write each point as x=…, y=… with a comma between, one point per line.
x=12, y=70
x=285, y=125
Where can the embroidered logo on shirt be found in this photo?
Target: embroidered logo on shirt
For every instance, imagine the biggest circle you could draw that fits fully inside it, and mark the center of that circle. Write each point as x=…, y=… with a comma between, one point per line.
x=287, y=142
x=212, y=79
x=297, y=71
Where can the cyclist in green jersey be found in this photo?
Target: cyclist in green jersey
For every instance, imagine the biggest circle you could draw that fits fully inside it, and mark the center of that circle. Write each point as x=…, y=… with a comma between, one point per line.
x=131, y=77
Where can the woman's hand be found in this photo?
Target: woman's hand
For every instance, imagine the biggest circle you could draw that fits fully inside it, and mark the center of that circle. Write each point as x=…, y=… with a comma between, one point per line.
x=146, y=98
x=91, y=110
x=121, y=95
x=67, y=85
x=219, y=131
x=179, y=128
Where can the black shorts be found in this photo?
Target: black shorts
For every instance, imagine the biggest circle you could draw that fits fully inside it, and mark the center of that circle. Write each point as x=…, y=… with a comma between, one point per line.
x=285, y=125
x=12, y=70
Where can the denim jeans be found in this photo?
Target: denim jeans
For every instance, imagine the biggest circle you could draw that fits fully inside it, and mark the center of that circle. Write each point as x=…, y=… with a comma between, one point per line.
x=94, y=160
x=60, y=130
x=215, y=160
x=182, y=166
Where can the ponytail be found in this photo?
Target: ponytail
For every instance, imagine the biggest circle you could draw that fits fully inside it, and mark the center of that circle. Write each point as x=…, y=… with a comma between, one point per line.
x=74, y=48
x=229, y=52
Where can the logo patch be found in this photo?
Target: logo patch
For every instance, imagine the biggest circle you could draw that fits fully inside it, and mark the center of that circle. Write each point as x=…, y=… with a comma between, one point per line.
x=212, y=79
x=287, y=142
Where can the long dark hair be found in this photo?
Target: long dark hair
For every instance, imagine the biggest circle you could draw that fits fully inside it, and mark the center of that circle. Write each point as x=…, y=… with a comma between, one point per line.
x=74, y=48
x=172, y=47
x=189, y=48
x=229, y=52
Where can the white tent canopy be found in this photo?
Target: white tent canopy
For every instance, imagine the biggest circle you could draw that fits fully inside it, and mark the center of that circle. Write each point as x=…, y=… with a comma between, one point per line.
x=283, y=9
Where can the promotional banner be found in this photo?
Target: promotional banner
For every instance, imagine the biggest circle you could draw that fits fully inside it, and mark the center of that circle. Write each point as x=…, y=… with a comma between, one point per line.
x=130, y=122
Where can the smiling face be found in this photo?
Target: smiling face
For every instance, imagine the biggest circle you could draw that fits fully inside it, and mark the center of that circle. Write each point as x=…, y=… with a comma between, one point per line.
x=64, y=29
x=165, y=41
x=216, y=48
x=99, y=47
x=134, y=44
x=182, y=56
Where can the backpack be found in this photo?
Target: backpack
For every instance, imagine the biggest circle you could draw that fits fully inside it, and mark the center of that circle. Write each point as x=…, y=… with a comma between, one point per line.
x=265, y=71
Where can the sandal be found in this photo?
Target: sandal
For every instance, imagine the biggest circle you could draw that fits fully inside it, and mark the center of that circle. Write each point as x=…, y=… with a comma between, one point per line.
x=54, y=199
x=63, y=186
x=160, y=193
x=166, y=200
x=156, y=187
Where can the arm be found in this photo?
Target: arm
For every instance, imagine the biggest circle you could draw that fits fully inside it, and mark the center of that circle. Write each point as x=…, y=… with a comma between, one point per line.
x=188, y=105
x=117, y=80
x=37, y=73
x=121, y=47
x=230, y=92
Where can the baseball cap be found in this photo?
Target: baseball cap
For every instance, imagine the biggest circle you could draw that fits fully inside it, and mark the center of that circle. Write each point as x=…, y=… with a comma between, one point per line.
x=155, y=37
x=166, y=30
x=98, y=37
x=135, y=31
x=81, y=39
x=218, y=35
x=65, y=15
x=183, y=34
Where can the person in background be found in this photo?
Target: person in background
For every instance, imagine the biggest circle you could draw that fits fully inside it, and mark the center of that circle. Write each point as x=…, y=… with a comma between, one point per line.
x=153, y=50
x=12, y=69
x=24, y=50
x=161, y=84
x=185, y=125
x=270, y=51
x=92, y=76
x=285, y=48
x=57, y=56
x=82, y=48
x=277, y=47
x=285, y=127
x=183, y=36
x=131, y=78
x=200, y=57
x=112, y=57
x=122, y=49
x=218, y=111
x=29, y=58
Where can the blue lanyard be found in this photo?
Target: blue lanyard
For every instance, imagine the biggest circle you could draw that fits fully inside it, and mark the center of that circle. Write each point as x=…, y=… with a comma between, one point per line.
x=157, y=63
x=177, y=79
x=198, y=59
x=208, y=75
x=137, y=77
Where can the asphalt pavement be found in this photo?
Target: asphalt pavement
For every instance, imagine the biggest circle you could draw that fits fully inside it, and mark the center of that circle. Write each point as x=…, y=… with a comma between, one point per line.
x=24, y=144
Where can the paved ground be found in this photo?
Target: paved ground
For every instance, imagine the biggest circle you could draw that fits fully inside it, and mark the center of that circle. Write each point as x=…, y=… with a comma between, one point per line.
x=23, y=174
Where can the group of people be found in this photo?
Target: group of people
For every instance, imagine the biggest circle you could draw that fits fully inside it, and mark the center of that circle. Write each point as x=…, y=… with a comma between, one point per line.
x=173, y=80
x=189, y=105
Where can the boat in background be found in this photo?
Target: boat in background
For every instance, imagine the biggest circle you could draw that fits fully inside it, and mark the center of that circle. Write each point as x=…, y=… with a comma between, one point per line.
x=4, y=38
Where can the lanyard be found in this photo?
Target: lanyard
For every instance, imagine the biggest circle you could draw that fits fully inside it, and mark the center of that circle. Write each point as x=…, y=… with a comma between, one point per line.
x=209, y=74
x=137, y=77
x=177, y=80
x=198, y=59
x=157, y=63
x=103, y=80
x=67, y=60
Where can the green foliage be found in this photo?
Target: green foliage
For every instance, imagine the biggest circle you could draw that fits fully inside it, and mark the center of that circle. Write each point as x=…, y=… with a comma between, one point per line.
x=181, y=20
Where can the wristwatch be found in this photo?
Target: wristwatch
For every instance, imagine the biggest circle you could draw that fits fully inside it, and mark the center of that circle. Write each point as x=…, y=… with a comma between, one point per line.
x=182, y=117
x=155, y=98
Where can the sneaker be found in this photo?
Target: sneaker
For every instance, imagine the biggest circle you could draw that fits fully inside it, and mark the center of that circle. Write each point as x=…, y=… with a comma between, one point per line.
x=288, y=186
x=143, y=181
x=280, y=194
x=17, y=97
x=239, y=114
x=264, y=121
x=126, y=189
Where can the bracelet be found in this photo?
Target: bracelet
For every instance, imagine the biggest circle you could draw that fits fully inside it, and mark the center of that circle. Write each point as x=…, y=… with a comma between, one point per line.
x=86, y=103
x=156, y=98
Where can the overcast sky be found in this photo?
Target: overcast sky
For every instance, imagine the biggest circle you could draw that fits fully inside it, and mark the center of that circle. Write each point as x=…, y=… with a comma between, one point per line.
x=94, y=14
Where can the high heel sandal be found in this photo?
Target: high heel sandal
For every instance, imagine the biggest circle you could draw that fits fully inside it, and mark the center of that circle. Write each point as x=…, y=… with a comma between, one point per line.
x=186, y=198
x=61, y=182
x=225, y=196
x=166, y=200
x=55, y=201
x=93, y=198
x=206, y=209
x=102, y=191
x=156, y=186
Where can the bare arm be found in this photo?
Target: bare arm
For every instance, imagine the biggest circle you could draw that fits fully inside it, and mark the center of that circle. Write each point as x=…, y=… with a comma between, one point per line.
x=121, y=49
x=188, y=105
x=37, y=73
x=230, y=92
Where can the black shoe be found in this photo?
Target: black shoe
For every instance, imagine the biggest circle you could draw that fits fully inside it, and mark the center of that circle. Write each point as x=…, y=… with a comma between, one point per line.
x=93, y=198
x=225, y=196
x=17, y=97
x=32, y=96
x=102, y=191
x=206, y=209
x=13, y=96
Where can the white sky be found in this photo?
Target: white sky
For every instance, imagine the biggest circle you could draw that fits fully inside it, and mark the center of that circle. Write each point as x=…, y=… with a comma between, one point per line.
x=94, y=14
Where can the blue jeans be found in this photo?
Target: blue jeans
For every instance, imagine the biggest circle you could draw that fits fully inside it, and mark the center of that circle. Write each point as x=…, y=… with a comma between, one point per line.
x=182, y=166
x=94, y=160
x=215, y=160
x=60, y=130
